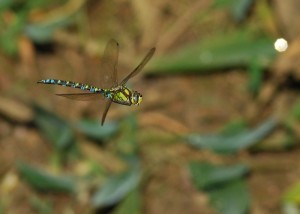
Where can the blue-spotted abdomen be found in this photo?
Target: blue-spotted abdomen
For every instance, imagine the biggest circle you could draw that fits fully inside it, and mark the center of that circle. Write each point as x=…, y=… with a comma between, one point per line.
x=65, y=83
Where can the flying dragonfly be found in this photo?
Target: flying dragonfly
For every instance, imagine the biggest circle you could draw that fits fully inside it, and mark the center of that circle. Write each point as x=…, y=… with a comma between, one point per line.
x=109, y=86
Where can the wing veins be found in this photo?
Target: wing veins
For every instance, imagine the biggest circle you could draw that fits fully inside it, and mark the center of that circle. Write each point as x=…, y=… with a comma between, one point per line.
x=108, y=103
x=140, y=66
x=82, y=96
x=108, y=66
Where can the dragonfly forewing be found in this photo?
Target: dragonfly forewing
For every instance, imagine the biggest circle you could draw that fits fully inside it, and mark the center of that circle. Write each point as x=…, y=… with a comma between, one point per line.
x=139, y=67
x=108, y=67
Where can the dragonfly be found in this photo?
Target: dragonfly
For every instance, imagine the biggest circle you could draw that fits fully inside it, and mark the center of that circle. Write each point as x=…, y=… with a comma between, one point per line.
x=110, y=88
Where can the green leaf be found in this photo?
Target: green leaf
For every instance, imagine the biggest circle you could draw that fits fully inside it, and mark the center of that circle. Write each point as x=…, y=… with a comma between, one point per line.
x=256, y=75
x=126, y=145
x=292, y=195
x=228, y=193
x=57, y=130
x=234, y=127
x=235, y=49
x=10, y=34
x=93, y=129
x=43, y=181
x=33, y=4
x=41, y=205
x=232, y=198
x=296, y=110
x=6, y=4
x=131, y=204
x=2, y=206
x=43, y=31
x=234, y=143
x=206, y=175
x=238, y=8
x=116, y=188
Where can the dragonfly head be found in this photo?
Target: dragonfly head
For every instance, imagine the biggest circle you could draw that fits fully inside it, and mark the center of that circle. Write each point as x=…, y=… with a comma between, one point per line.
x=136, y=98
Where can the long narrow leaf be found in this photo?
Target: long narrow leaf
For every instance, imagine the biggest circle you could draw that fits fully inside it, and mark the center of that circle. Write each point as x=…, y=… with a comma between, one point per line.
x=43, y=181
x=116, y=188
x=206, y=175
x=43, y=31
x=57, y=130
x=131, y=204
x=234, y=143
x=95, y=130
x=236, y=49
x=233, y=198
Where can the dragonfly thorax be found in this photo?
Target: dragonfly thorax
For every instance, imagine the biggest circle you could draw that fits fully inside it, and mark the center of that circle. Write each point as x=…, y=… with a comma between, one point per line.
x=123, y=95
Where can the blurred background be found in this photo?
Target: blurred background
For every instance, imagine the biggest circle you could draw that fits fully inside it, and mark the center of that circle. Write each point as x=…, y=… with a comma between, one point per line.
x=217, y=131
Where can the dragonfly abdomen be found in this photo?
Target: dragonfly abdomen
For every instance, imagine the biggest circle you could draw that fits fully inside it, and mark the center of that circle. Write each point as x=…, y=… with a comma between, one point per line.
x=71, y=84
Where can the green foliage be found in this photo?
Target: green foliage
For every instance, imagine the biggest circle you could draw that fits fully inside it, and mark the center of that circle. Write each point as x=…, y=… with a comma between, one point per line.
x=296, y=110
x=232, y=198
x=224, y=184
x=131, y=204
x=123, y=186
x=41, y=206
x=234, y=127
x=235, y=49
x=1, y=207
x=231, y=144
x=55, y=129
x=43, y=181
x=93, y=129
x=255, y=76
x=206, y=175
x=127, y=144
x=117, y=187
x=35, y=4
x=20, y=25
x=237, y=8
x=42, y=32
x=9, y=34
x=22, y=5
x=290, y=199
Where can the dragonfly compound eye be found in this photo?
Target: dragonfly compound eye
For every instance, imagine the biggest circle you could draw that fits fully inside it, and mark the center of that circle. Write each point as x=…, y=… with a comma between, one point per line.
x=136, y=98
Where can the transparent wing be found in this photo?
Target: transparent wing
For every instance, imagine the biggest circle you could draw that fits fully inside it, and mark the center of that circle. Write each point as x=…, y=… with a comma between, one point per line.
x=108, y=66
x=108, y=103
x=139, y=67
x=82, y=96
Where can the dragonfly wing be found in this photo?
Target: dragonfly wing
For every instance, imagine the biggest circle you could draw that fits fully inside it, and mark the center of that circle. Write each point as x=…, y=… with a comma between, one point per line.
x=108, y=66
x=82, y=96
x=108, y=103
x=139, y=67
